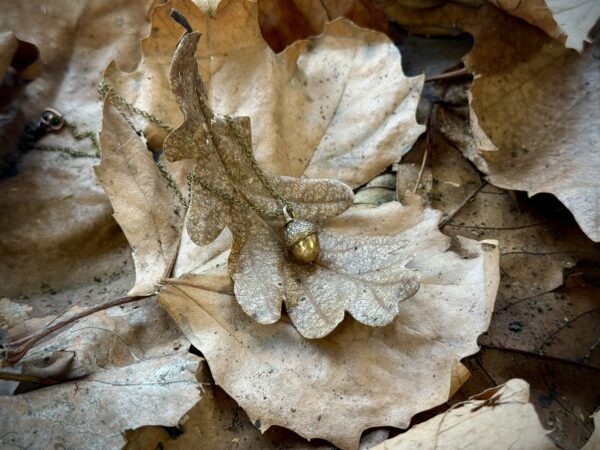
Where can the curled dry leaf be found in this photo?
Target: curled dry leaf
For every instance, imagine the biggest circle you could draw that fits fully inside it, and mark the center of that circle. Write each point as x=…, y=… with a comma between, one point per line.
x=336, y=387
x=144, y=204
x=363, y=275
x=533, y=116
x=548, y=143
x=92, y=413
x=498, y=418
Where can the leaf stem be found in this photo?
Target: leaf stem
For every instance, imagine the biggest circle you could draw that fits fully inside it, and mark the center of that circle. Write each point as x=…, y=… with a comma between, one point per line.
x=15, y=351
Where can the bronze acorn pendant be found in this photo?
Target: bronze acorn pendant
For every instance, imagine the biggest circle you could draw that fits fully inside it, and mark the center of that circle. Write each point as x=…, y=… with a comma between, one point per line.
x=301, y=239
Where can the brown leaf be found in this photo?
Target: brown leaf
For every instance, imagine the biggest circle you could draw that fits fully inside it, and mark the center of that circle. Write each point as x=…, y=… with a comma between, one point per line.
x=540, y=245
x=500, y=417
x=533, y=116
x=143, y=203
x=336, y=106
x=92, y=413
x=545, y=144
x=337, y=386
x=544, y=329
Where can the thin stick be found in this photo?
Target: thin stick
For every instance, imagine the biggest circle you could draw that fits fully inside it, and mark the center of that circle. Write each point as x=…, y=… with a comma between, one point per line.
x=447, y=75
x=472, y=194
x=427, y=147
x=13, y=355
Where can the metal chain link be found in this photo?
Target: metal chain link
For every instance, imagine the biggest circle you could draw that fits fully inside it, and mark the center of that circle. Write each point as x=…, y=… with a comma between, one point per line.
x=119, y=101
x=122, y=104
x=257, y=169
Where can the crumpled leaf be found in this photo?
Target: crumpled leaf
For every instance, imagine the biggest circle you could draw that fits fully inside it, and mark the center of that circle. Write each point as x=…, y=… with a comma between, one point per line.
x=336, y=387
x=498, y=418
x=549, y=142
x=92, y=413
x=568, y=21
x=544, y=144
x=363, y=275
x=142, y=201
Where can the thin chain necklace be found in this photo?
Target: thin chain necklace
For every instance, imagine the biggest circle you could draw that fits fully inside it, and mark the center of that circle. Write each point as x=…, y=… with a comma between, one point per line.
x=300, y=236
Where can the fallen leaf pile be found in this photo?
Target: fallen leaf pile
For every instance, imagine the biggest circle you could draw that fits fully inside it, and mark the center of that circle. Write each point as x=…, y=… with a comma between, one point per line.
x=447, y=309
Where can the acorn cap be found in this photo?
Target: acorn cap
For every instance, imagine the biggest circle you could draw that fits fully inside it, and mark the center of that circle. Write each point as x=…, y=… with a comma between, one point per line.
x=296, y=230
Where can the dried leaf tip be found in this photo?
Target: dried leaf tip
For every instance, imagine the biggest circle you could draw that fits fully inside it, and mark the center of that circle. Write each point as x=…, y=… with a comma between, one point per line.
x=181, y=20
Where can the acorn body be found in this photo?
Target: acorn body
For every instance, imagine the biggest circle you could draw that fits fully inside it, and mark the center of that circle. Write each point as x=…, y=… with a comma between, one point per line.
x=302, y=240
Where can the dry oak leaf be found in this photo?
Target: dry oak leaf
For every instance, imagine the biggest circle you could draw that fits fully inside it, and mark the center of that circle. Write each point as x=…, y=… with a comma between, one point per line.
x=357, y=377
x=94, y=412
x=497, y=419
x=534, y=118
x=335, y=106
x=363, y=275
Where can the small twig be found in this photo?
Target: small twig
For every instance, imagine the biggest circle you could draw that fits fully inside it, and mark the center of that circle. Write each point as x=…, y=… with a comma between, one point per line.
x=536, y=354
x=447, y=75
x=15, y=351
x=563, y=326
x=468, y=198
x=427, y=148
x=181, y=20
